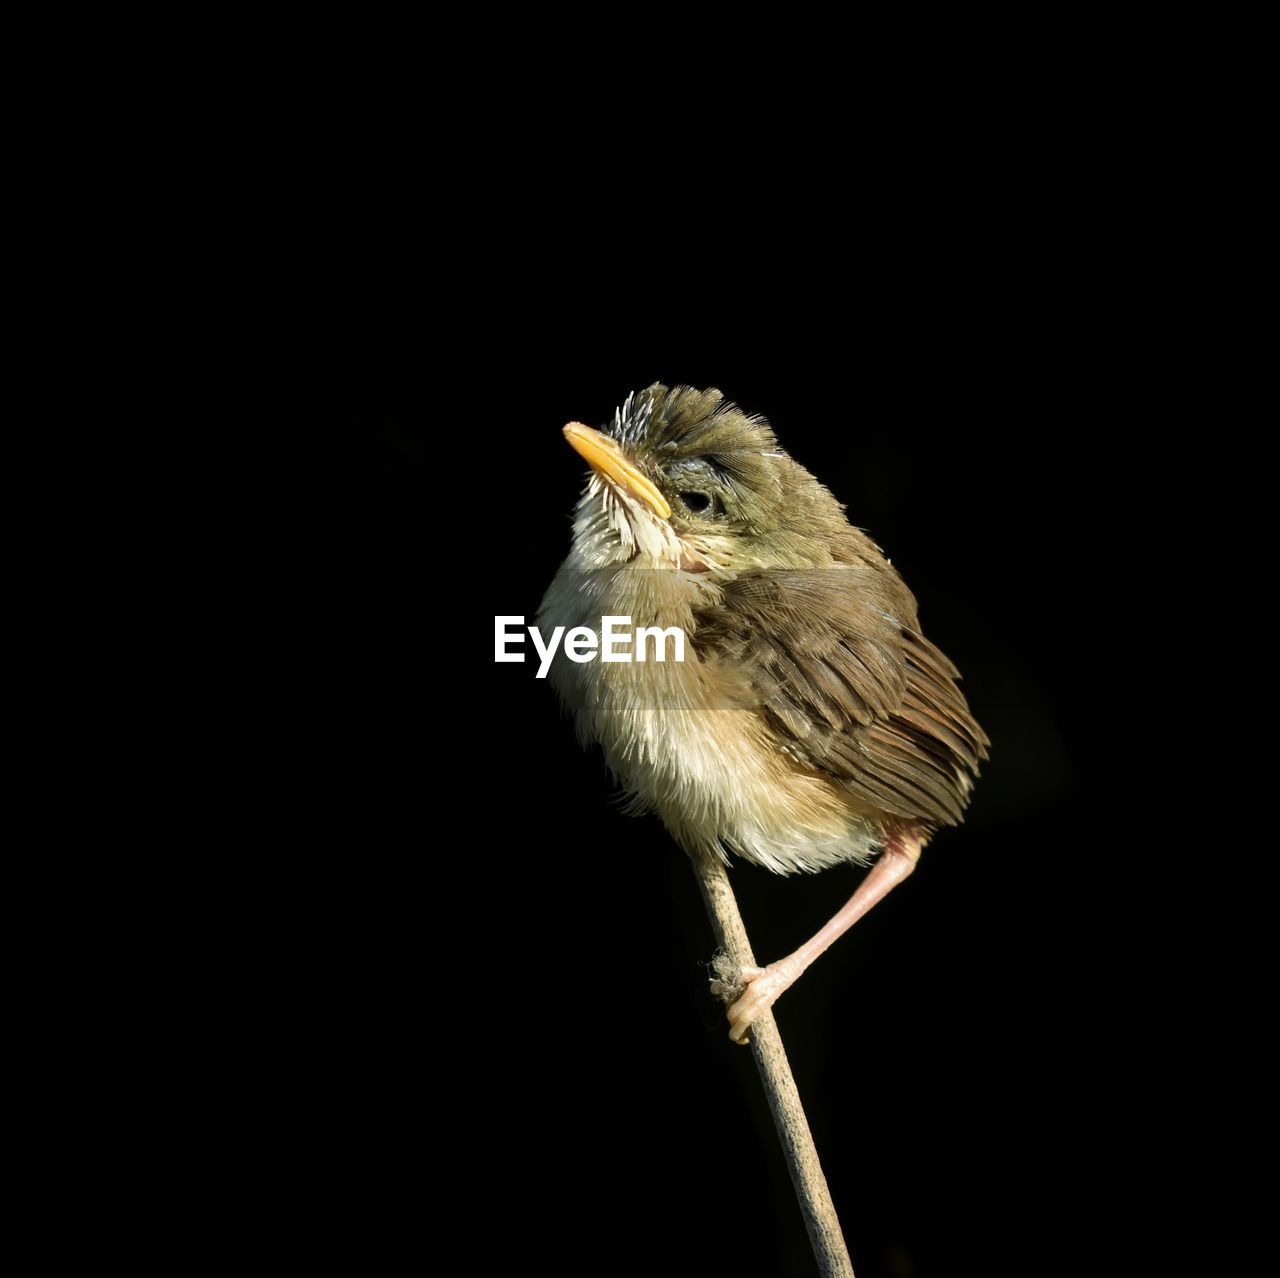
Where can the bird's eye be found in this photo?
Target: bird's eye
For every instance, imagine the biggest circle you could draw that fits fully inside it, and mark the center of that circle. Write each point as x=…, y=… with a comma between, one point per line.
x=697, y=502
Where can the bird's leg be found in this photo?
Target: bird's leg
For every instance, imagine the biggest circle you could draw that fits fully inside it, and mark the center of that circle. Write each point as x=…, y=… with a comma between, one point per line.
x=767, y=984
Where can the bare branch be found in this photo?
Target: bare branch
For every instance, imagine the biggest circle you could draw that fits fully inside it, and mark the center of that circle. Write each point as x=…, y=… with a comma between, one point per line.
x=780, y=1087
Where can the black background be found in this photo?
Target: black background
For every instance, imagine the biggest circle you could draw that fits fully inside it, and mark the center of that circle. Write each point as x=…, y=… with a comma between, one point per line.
x=511, y=997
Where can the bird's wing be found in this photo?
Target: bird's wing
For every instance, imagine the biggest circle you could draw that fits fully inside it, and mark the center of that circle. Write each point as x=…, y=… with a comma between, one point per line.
x=850, y=686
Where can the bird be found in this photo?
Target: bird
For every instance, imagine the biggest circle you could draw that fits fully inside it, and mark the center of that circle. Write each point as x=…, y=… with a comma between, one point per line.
x=811, y=723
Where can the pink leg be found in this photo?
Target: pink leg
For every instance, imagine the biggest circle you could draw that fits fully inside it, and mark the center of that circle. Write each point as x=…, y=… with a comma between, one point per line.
x=767, y=984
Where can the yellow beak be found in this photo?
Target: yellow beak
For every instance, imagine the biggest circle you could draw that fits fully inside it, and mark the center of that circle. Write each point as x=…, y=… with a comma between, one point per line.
x=607, y=458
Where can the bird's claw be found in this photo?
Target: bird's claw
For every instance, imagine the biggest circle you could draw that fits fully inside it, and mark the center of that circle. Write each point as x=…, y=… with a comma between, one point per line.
x=764, y=987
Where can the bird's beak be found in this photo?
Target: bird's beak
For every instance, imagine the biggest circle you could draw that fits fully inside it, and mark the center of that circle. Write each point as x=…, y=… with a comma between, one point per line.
x=607, y=458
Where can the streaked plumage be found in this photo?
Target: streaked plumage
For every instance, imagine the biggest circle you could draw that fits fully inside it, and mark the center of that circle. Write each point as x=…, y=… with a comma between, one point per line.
x=812, y=719
x=812, y=722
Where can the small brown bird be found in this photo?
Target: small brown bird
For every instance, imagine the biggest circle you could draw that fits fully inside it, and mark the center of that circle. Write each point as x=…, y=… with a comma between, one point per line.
x=811, y=722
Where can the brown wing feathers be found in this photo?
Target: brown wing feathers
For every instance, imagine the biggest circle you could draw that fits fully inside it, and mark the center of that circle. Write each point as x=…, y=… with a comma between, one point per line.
x=851, y=687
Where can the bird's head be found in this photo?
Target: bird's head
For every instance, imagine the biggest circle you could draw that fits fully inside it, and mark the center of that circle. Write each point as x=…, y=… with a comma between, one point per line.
x=682, y=477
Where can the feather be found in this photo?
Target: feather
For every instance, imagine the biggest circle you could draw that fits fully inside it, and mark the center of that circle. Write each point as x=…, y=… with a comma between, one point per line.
x=850, y=689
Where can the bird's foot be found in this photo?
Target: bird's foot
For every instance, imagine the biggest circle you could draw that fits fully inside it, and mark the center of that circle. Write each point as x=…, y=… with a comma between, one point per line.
x=765, y=985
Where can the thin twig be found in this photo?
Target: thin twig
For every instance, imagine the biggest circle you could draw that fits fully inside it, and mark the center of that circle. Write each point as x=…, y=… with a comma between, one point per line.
x=780, y=1087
